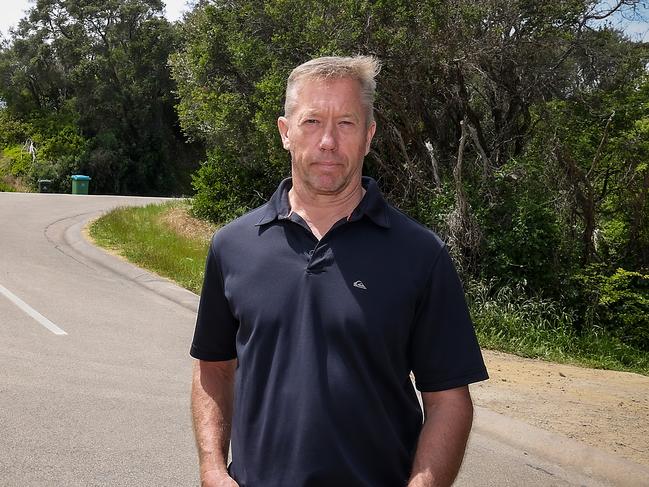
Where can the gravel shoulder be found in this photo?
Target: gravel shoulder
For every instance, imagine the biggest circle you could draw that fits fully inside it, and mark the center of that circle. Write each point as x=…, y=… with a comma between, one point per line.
x=605, y=409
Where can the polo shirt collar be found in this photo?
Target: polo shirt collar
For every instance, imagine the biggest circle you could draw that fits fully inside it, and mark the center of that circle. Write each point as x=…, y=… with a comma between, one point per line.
x=373, y=205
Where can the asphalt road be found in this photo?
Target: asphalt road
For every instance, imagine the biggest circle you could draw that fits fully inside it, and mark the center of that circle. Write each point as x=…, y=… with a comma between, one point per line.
x=94, y=369
x=107, y=403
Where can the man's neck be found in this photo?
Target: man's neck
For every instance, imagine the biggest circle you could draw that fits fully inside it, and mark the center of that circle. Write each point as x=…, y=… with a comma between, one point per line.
x=322, y=211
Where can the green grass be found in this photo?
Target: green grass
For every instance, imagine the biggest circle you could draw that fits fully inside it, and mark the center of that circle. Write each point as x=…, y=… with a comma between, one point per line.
x=5, y=187
x=141, y=236
x=505, y=320
x=4, y=171
x=538, y=328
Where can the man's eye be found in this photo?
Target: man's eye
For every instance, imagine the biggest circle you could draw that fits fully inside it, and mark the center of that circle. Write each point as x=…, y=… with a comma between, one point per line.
x=347, y=123
x=311, y=121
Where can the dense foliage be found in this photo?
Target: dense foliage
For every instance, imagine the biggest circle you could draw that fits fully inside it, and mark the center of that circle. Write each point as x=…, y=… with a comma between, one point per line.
x=515, y=129
x=86, y=84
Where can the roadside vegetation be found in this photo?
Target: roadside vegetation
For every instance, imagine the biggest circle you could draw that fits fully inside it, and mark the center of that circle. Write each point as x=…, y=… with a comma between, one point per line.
x=5, y=187
x=167, y=240
x=161, y=238
x=85, y=88
x=509, y=321
x=10, y=179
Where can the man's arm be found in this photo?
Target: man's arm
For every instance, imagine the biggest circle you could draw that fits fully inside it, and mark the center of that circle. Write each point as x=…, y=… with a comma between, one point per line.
x=442, y=441
x=212, y=403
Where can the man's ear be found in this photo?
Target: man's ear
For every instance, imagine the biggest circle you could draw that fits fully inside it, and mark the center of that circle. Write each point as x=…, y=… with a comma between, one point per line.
x=370, y=134
x=282, y=125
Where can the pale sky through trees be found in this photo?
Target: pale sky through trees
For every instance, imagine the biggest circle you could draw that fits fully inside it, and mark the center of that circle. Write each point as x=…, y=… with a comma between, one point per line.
x=11, y=11
x=636, y=28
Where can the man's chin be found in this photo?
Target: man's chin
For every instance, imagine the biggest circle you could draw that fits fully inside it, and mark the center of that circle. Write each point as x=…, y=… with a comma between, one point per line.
x=327, y=185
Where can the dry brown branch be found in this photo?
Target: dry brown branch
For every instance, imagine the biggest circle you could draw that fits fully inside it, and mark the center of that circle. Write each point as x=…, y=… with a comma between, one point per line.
x=434, y=163
x=464, y=232
x=486, y=162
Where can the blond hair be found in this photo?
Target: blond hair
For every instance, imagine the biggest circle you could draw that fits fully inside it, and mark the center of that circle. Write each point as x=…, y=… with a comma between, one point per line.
x=360, y=68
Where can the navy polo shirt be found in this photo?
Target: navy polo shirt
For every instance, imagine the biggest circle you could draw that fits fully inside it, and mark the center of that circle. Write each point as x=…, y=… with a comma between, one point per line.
x=326, y=334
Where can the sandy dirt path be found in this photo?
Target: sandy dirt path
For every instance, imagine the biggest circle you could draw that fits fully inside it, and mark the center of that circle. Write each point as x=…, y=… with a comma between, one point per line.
x=602, y=408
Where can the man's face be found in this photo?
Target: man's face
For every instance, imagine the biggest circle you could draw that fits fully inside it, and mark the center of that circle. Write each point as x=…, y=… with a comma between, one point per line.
x=327, y=135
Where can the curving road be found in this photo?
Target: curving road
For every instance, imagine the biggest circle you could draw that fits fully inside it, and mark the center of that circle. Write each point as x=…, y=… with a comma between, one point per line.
x=106, y=403
x=94, y=369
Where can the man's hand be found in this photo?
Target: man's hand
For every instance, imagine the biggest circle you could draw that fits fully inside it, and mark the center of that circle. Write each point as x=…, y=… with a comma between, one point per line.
x=440, y=450
x=215, y=478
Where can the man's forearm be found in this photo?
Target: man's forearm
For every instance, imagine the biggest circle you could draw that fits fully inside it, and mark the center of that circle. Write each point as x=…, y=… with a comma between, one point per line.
x=442, y=441
x=212, y=397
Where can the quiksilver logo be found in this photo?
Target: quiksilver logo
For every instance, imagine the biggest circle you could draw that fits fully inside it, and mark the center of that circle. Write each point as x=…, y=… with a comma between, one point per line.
x=360, y=285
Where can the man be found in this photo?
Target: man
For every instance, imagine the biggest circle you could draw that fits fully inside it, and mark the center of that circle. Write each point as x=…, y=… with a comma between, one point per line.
x=315, y=309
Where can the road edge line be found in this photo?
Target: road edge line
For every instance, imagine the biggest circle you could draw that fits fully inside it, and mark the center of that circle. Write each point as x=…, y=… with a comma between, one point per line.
x=31, y=312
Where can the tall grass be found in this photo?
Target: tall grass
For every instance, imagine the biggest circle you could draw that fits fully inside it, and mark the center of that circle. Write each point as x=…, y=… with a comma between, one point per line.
x=508, y=320
x=142, y=236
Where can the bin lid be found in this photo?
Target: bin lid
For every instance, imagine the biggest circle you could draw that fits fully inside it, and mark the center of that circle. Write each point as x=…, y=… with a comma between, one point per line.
x=80, y=177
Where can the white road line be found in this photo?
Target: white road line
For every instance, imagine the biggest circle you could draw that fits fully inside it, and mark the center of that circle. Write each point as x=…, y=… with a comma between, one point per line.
x=31, y=311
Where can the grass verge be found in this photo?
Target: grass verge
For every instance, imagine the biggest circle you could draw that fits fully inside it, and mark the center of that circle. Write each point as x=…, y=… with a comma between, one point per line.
x=5, y=187
x=167, y=240
x=539, y=328
x=161, y=238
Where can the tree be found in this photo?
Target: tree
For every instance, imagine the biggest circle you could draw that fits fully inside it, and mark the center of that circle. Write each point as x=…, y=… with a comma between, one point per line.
x=453, y=71
x=104, y=62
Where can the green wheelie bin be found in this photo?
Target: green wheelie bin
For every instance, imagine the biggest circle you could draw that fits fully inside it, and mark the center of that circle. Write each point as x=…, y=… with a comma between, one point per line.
x=80, y=184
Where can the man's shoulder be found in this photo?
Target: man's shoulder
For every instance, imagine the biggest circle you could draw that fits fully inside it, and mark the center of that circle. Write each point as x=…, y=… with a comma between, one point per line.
x=411, y=230
x=240, y=229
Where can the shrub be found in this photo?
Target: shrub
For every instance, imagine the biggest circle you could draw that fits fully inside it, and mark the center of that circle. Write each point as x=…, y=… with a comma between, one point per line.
x=19, y=160
x=4, y=187
x=620, y=303
x=12, y=130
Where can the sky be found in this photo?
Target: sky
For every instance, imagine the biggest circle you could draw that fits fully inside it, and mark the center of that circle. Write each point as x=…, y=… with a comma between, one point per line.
x=636, y=28
x=11, y=11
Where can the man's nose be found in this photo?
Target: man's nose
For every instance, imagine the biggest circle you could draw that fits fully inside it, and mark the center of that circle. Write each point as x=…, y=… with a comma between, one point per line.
x=328, y=139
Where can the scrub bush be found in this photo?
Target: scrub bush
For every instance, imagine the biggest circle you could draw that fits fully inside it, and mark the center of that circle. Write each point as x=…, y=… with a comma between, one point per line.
x=617, y=302
x=18, y=160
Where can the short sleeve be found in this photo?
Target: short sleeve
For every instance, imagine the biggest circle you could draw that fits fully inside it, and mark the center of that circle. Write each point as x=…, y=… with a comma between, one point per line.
x=216, y=328
x=444, y=349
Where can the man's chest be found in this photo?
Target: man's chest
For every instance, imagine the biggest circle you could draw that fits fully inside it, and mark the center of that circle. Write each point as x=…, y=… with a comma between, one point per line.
x=346, y=287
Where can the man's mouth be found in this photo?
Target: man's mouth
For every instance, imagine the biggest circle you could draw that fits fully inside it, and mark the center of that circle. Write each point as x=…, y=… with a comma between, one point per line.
x=327, y=163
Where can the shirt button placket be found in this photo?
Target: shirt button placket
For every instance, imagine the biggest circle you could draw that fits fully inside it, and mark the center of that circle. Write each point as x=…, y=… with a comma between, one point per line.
x=310, y=254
